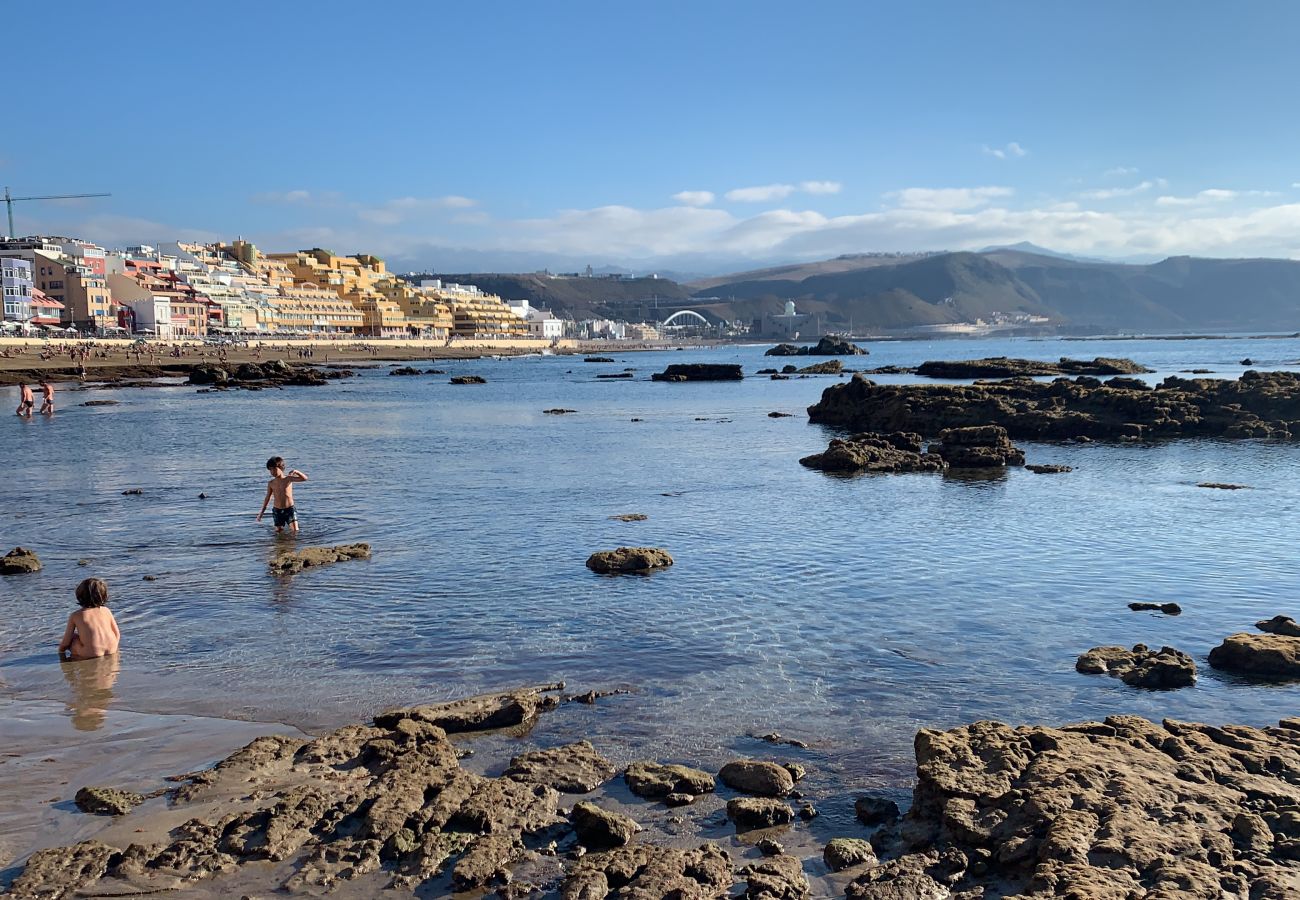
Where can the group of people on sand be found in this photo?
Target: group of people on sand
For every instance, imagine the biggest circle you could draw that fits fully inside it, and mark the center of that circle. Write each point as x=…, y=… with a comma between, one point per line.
x=92, y=631
x=27, y=400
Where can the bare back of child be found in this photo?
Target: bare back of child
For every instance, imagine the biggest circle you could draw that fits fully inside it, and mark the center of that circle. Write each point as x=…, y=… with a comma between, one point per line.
x=92, y=631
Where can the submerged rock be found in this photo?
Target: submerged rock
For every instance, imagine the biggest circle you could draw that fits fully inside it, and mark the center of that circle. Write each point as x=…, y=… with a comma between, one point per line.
x=629, y=559
x=558, y=411
x=1223, y=486
x=1169, y=609
x=630, y=517
x=899, y=451
x=1268, y=655
x=766, y=779
x=1256, y=405
x=875, y=810
x=1141, y=666
x=107, y=801
x=468, y=379
x=1047, y=469
x=294, y=561
x=19, y=561
x=700, y=372
x=1284, y=625
x=759, y=812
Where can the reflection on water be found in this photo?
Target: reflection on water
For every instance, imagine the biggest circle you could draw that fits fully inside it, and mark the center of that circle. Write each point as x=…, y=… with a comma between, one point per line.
x=843, y=611
x=90, y=683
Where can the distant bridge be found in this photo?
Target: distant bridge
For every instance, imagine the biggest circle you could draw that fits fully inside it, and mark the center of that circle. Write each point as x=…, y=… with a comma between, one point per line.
x=672, y=320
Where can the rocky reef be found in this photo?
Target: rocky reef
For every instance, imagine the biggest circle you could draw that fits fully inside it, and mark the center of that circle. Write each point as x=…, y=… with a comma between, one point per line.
x=827, y=346
x=977, y=447
x=699, y=372
x=19, y=561
x=293, y=562
x=1141, y=666
x=1257, y=405
x=253, y=376
x=1006, y=367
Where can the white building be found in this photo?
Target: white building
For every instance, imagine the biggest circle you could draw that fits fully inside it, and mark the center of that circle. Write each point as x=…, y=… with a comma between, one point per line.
x=545, y=324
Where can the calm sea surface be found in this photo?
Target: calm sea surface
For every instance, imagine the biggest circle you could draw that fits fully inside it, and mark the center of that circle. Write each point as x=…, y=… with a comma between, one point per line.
x=845, y=612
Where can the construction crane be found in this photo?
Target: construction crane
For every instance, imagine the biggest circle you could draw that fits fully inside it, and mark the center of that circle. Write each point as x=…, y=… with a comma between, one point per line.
x=10, y=201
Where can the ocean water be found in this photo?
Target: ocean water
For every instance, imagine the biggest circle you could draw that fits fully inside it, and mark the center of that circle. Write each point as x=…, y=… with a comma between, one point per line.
x=846, y=612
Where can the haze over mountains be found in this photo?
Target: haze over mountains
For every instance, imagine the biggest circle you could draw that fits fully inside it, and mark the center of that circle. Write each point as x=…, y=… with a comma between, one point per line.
x=866, y=292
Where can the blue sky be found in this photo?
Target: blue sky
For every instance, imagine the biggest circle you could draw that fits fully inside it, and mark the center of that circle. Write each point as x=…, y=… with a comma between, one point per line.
x=698, y=136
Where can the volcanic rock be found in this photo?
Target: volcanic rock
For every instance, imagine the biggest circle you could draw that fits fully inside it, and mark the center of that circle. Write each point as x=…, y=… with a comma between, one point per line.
x=655, y=781
x=1169, y=609
x=601, y=828
x=483, y=713
x=107, y=801
x=699, y=372
x=572, y=769
x=1223, y=486
x=629, y=559
x=19, y=561
x=405, y=370
x=752, y=776
x=598, y=359
x=1284, y=625
x=759, y=812
x=875, y=810
x=468, y=379
x=608, y=375
x=1267, y=655
x=981, y=446
x=643, y=872
x=779, y=415
x=100, y=403
x=558, y=411
x=830, y=367
x=1004, y=367
x=1141, y=666
x=1048, y=469
x=842, y=853
x=870, y=452
x=775, y=878
x=630, y=517
x=827, y=346
x=1258, y=405
x=292, y=562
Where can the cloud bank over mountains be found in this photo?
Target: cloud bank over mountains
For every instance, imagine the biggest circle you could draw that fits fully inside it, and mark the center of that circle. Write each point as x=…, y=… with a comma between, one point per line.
x=703, y=229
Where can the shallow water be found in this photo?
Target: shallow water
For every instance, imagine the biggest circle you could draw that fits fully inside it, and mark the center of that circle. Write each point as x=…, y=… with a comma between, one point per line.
x=845, y=612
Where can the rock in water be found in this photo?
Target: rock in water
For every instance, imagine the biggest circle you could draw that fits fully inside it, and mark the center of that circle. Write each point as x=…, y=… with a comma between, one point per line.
x=981, y=446
x=629, y=559
x=405, y=370
x=875, y=810
x=484, y=713
x=1284, y=625
x=1049, y=469
x=107, y=801
x=870, y=452
x=759, y=812
x=602, y=828
x=1169, y=609
x=830, y=367
x=1004, y=367
x=630, y=517
x=766, y=779
x=292, y=562
x=572, y=769
x=655, y=781
x=1223, y=486
x=645, y=872
x=699, y=372
x=1268, y=655
x=558, y=411
x=468, y=379
x=598, y=359
x=1141, y=666
x=843, y=853
x=19, y=561
x=827, y=346
x=776, y=878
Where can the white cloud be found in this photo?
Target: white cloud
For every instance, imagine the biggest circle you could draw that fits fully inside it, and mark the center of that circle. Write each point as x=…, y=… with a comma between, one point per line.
x=1111, y=193
x=1012, y=150
x=760, y=194
x=820, y=187
x=299, y=197
x=694, y=198
x=402, y=208
x=1119, y=171
x=948, y=198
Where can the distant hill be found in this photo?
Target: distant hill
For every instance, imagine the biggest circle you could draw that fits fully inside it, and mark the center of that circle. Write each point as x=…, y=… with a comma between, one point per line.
x=1177, y=294
x=850, y=262
x=577, y=297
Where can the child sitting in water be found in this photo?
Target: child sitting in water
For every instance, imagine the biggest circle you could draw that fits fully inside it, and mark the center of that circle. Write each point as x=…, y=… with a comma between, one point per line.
x=92, y=631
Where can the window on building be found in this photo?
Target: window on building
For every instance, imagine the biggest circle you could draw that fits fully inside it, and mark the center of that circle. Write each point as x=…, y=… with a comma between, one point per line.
x=56, y=285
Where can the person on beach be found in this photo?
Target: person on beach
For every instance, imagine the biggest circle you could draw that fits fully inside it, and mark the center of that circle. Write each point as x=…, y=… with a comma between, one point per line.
x=25, y=400
x=280, y=489
x=92, y=631
x=47, y=398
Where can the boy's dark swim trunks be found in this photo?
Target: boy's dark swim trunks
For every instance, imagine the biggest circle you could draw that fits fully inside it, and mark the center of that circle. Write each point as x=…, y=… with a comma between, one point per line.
x=284, y=517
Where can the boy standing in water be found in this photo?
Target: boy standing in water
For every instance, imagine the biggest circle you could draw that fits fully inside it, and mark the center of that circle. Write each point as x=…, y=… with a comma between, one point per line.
x=280, y=489
x=47, y=398
x=25, y=400
x=92, y=631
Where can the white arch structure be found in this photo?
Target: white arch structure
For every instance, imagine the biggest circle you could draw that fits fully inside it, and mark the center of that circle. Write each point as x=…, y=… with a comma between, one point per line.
x=672, y=320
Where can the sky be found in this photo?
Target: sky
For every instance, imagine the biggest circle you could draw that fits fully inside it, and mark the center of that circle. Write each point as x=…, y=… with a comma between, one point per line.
x=697, y=137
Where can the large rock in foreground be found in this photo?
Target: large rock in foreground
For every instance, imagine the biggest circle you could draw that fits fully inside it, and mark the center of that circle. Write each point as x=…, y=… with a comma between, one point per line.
x=629, y=559
x=899, y=451
x=19, y=561
x=1258, y=405
x=699, y=372
x=1117, y=809
x=1141, y=666
x=1005, y=367
x=292, y=562
x=1267, y=655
